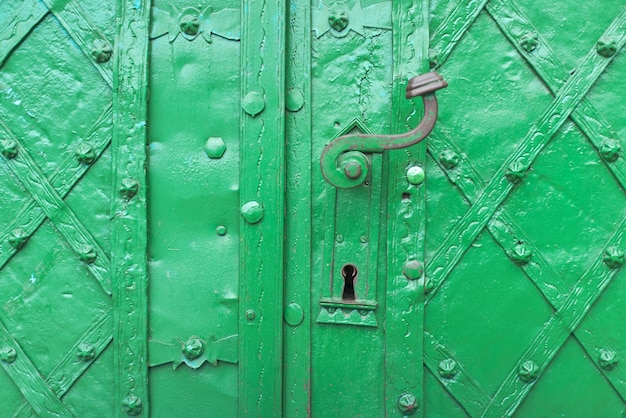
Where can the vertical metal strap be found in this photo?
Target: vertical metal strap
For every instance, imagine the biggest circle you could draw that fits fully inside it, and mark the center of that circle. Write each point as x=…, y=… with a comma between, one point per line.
x=406, y=205
x=262, y=192
x=129, y=241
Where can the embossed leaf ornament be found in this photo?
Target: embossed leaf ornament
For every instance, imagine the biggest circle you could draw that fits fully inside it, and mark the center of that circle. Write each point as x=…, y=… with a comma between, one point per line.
x=338, y=21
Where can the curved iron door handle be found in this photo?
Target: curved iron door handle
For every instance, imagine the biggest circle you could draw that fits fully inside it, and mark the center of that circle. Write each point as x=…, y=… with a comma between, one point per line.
x=343, y=161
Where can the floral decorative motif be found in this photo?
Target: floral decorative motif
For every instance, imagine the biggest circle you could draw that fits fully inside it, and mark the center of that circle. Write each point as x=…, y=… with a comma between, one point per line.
x=191, y=23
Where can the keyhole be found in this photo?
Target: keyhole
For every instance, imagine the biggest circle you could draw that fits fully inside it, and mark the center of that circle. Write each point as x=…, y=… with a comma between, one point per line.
x=349, y=273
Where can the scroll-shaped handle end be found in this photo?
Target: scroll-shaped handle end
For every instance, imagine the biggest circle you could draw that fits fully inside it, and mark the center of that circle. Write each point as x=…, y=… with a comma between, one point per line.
x=343, y=161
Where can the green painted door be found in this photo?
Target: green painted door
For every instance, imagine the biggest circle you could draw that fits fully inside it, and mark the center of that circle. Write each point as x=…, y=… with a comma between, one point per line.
x=170, y=246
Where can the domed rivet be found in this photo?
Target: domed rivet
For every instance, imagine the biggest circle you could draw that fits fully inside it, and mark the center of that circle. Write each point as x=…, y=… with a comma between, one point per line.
x=363, y=239
x=415, y=175
x=294, y=100
x=610, y=150
x=132, y=405
x=86, y=352
x=215, y=147
x=607, y=359
x=407, y=403
x=413, y=269
x=18, y=238
x=252, y=212
x=606, y=47
x=449, y=159
x=101, y=51
x=529, y=42
x=85, y=153
x=221, y=230
x=129, y=187
x=613, y=257
x=521, y=254
x=294, y=314
x=352, y=170
x=193, y=348
x=87, y=253
x=250, y=315
x=253, y=103
x=447, y=368
x=515, y=172
x=528, y=371
x=339, y=238
x=8, y=147
x=8, y=354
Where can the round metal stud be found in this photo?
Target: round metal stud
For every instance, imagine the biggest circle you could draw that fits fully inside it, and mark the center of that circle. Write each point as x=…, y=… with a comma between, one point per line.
x=253, y=103
x=415, y=175
x=252, y=212
x=294, y=314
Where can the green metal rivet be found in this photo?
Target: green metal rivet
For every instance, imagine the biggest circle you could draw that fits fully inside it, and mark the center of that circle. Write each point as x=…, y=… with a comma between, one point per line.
x=415, y=175
x=18, y=238
x=253, y=103
x=101, y=51
x=515, y=172
x=252, y=212
x=338, y=21
x=363, y=239
x=447, y=368
x=8, y=354
x=607, y=359
x=449, y=159
x=129, y=187
x=8, y=147
x=250, y=315
x=86, y=352
x=294, y=314
x=339, y=238
x=614, y=257
x=521, y=254
x=407, y=404
x=85, y=153
x=193, y=348
x=529, y=42
x=413, y=269
x=352, y=169
x=607, y=47
x=132, y=405
x=528, y=371
x=215, y=147
x=294, y=100
x=221, y=230
x=610, y=150
x=87, y=253
x=190, y=25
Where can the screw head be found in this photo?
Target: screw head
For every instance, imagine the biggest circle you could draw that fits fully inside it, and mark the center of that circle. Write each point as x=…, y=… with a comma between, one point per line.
x=413, y=269
x=85, y=153
x=86, y=352
x=407, y=403
x=8, y=354
x=250, y=315
x=521, y=254
x=101, y=51
x=449, y=159
x=18, y=238
x=515, y=172
x=215, y=147
x=606, y=47
x=132, y=405
x=610, y=150
x=529, y=42
x=447, y=368
x=607, y=359
x=415, y=175
x=613, y=257
x=252, y=212
x=8, y=147
x=87, y=253
x=528, y=371
x=193, y=348
x=338, y=20
x=129, y=187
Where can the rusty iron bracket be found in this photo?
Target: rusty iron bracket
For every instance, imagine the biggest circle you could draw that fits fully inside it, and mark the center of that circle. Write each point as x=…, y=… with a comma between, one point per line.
x=343, y=161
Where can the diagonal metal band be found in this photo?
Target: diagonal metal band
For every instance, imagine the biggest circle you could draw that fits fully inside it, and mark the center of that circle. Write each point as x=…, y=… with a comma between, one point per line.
x=64, y=178
x=28, y=380
x=55, y=208
x=467, y=229
x=28, y=15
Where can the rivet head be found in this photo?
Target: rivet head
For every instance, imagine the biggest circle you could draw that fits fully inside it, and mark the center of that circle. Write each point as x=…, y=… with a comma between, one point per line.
x=250, y=315
x=253, y=103
x=129, y=187
x=415, y=175
x=610, y=150
x=193, y=348
x=85, y=153
x=294, y=100
x=528, y=371
x=86, y=352
x=101, y=51
x=521, y=254
x=252, y=212
x=363, y=239
x=87, y=253
x=294, y=314
x=413, y=269
x=8, y=354
x=447, y=368
x=215, y=147
x=8, y=147
x=515, y=172
x=352, y=169
x=606, y=47
x=190, y=24
x=339, y=238
x=132, y=405
x=613, y=257
x=607, y=359
x=449, y=159
x=221, y=230
x=18, y=238
x=407, y=403
x=529, y=42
